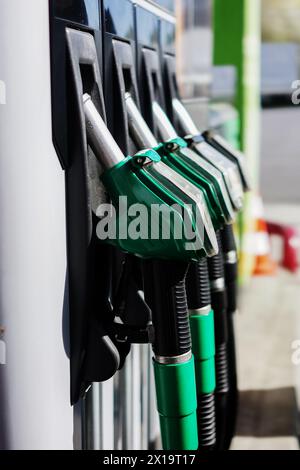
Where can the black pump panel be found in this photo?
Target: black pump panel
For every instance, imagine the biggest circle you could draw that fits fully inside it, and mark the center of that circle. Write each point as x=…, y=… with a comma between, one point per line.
x=83, y=15
x=94, y=357
x=119, y=61
x=168, y=67
x=153, y=75
x=170, y=86
x=84, y=12
x=124, y=79
x=75, y=70
x=152, y=85
x=118, y=18
x=167, y=37
x=149, y=71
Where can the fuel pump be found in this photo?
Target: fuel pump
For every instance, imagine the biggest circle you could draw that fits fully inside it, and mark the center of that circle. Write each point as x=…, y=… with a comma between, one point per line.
x=164, y=279
x=157, y=119
x=237, y=181
x=216, y=273
x=174, y=364
x=123, y=73
x=143, y=178
x=140, y=133
x=153, y=89
x=201, y=316
x=219, y=305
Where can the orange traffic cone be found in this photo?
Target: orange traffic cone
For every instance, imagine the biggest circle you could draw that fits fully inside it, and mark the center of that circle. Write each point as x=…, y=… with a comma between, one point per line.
x=264, y=265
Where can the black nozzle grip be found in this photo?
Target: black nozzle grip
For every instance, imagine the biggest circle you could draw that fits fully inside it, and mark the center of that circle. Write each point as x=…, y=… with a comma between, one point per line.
x=228, y=239
x=165, y=294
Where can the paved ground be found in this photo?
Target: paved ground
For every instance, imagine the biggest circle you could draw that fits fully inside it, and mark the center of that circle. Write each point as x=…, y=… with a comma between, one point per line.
x=267, y=325
x=269, y=319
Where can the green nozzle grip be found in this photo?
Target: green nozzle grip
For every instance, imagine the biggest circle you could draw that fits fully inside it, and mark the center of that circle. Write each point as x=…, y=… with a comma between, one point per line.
x=177, y=405
x=138, y=185
x=203, y=345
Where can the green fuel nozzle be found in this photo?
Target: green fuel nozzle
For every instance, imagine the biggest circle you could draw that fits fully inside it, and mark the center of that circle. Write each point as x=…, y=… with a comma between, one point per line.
x=184, y=161
x=232, y=168
x=166, y=196
x=145, y=179
x=220, y=144
x=144, y=138
x=204, y=175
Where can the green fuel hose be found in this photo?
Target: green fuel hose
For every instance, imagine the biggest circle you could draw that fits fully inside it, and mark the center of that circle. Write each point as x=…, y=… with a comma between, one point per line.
x=164, y=287
x=176, y=403
x=203, y=347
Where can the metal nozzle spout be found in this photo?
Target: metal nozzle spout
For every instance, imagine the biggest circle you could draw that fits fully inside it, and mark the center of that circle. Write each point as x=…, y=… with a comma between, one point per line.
x=99, y=138
x=138, y=128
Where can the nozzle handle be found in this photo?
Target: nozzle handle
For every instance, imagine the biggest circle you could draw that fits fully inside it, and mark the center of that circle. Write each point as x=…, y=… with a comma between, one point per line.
x=100, y=139
x=185, y=120
x=163, y=123
x=138, y=128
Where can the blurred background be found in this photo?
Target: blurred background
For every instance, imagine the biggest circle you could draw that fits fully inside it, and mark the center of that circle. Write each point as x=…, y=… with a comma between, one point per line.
x=238, y=61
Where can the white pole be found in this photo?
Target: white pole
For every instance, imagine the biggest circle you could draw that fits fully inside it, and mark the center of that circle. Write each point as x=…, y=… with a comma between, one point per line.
x=34, y=401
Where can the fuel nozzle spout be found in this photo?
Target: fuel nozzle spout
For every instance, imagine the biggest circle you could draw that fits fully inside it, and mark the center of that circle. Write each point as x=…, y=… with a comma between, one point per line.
x=138, y=128
x=100, y=139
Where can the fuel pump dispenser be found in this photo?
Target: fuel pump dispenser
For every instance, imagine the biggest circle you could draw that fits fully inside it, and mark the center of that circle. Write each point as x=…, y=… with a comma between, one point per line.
x=154, y=92
x=215, y=274
x=165, y=278
x=235, y=178
x=136, y=425
x=201, y=320
x=144, y=138
x=174, y=364
x=123, y=74
x=205, y=185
